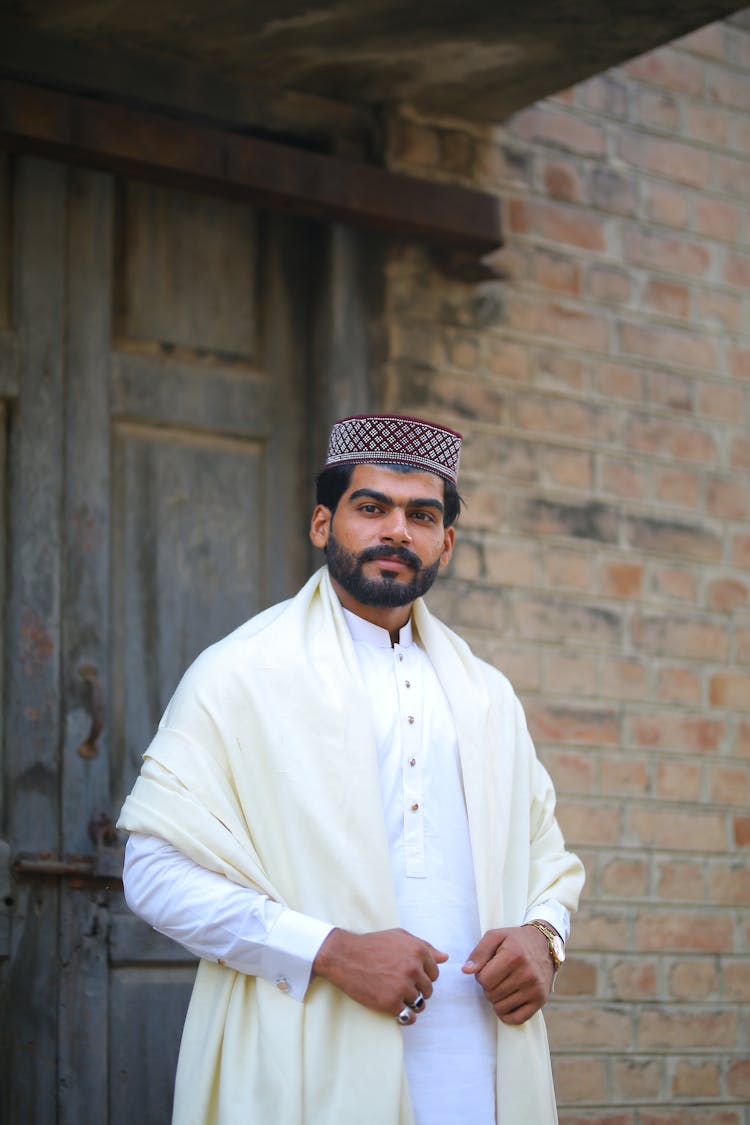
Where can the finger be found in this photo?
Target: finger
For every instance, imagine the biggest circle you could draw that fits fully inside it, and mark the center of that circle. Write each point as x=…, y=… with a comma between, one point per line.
x=518, y=1015
x=483, y=951
x=405, y=1016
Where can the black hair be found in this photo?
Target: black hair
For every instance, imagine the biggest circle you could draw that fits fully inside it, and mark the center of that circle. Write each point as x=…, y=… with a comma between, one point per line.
x=333, y=481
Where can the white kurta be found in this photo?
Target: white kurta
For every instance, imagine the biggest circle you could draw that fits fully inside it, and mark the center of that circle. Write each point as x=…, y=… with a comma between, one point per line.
x=264, y=772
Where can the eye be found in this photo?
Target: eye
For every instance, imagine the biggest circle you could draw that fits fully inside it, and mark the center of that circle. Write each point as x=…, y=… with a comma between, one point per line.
x=369, y=509
x=426, y=517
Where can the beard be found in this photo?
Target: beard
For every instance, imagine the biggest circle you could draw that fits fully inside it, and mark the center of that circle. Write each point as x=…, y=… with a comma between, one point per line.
x=386, y=591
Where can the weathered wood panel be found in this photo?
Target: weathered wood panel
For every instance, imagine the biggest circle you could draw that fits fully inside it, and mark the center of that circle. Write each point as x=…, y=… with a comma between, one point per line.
x=188, y=565
x=33, y=635
x=84, y=766
x=186, y=275
x=148, y=1010
x=6, y=246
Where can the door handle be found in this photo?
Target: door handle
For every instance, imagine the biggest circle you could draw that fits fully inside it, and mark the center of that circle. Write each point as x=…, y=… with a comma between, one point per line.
x=89, y=673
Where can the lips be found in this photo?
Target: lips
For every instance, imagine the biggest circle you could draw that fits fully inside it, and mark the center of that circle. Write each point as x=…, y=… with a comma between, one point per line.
x=391, y=564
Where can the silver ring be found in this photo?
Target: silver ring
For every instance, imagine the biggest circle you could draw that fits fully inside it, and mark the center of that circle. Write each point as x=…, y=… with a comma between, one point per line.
x=418, y=1004
x=404, y=1016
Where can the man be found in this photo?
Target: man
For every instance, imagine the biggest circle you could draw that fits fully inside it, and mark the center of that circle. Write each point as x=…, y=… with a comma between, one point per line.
x=343, y=815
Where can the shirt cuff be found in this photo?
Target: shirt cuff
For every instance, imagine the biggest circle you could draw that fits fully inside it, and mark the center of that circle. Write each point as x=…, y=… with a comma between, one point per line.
x=554, y=914
x=290, y=949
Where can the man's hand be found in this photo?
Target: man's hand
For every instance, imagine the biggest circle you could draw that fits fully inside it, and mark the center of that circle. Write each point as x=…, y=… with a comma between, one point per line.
x=515, y=970
x=385, y=970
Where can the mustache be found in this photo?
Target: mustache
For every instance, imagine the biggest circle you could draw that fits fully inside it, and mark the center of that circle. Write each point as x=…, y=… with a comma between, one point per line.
x=372, y=554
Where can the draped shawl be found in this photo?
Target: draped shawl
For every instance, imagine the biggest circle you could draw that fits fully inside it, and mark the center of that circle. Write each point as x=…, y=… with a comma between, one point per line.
x=264, y=769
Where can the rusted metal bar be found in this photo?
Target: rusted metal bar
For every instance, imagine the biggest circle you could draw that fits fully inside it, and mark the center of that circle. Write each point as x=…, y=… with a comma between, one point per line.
x=265, y=173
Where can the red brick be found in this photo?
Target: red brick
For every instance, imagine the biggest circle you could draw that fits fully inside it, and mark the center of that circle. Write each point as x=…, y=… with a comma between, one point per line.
x=622, y=579
x=580, y=1078
x=708, y=41
x=544, y=618
x=461, y=350
x=559, y=369
x=555, y=272
x=586, y=1026
x=674, y=730
x=706, y=123
x=579, y=979
x=677, y=161
x=669, y=345
x=550, y=320
x=658, y=827
x=625, y=878
x=729, y=883
x=717, y=401
x=736, y=982
x=633, y=979
x=693, y=979
x=467, y=561
x=637, y=1079
x=727, y=498
x=740, y=454
x=511, y=564
x=624, y=776
x=581, y=1117
x=673, y=537
x=667, y=204
x=590, y=521
x=677, y=486
x=675, y=930
x=622, y=679
x=572, y=772
x=679, y=685
x=678, y=781
x=569, y=467
x=730, y=689
x=510, y=361
x=607, y=283
x=738, y=1078
x=557, y=222
x=412, y=143
x=738, y=362
x=686, y=1115
x=561, y=129
x=727, y=594
x=670, y=297
x=568, y=673
x=618, y=381
x=665, y=388
x=696, y=1079
x=520, y=665
x=717, y=219
x=742, y=740
x=741, y=826
x=680, y=879
x=544, y=414
x=611, y=191
x=658, y=109
x=578, y=724
x=562, y=180
x=737, y=269
x=589, y=824
x=643, y=246
x=728, y=88
x=601, y=929
x=567, y=569
x=689, y=638
x=675, y=583
x=606, y=94
x=741, y=551
x=647, y=434
x=669, y=68
x=624, y=478
x=676, y=1028
x=731, y=176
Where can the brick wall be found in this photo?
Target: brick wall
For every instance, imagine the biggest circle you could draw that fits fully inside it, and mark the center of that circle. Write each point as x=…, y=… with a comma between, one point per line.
x=603, y=384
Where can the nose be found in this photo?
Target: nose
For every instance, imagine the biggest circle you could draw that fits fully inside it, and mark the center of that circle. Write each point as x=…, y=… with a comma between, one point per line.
x=395, y=528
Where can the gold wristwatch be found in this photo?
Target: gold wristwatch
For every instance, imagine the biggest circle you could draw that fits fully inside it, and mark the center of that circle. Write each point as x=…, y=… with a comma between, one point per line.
x=554, y=941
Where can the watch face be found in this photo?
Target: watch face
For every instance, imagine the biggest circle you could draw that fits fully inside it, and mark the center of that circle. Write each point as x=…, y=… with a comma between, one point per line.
x=559, y=948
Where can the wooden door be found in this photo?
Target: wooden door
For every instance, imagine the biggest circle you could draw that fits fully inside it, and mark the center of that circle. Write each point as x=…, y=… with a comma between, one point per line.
x=152, y=376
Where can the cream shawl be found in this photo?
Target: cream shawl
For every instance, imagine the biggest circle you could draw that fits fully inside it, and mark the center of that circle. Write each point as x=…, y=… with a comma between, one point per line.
x=264, y=769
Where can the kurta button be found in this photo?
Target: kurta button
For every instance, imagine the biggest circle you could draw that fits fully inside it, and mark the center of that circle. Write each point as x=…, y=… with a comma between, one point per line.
x=414, y=806
x=412, y=761
x=408, y=684
x=282, y=984
x=411, y=718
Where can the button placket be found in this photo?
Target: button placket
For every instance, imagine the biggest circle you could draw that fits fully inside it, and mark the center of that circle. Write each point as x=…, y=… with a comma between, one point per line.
x=411, y=768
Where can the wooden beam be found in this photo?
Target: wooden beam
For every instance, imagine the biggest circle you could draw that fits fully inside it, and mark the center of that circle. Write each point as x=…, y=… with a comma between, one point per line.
x=151, y=146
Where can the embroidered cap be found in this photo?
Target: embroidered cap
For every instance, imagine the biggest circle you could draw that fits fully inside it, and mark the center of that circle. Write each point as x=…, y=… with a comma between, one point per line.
x=371, y=438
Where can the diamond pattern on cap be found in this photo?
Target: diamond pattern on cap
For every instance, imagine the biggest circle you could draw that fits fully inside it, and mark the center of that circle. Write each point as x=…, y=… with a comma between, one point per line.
x=388, y=437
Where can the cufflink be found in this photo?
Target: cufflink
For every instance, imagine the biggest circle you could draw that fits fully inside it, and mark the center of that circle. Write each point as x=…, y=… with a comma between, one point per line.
x=282, y=984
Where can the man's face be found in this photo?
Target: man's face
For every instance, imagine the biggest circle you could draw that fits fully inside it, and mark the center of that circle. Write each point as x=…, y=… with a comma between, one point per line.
x=386, y=541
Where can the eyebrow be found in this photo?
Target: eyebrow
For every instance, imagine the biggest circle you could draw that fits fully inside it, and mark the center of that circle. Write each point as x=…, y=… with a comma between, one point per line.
x=417, y=502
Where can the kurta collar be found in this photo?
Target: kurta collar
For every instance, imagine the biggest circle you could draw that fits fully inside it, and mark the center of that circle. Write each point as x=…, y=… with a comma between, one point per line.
x=364, y=632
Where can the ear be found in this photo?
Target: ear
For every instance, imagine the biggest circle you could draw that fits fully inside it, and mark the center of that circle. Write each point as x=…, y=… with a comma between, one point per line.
x=449, y=540
x=320, y=526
